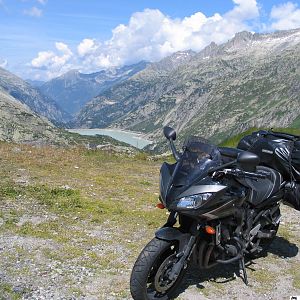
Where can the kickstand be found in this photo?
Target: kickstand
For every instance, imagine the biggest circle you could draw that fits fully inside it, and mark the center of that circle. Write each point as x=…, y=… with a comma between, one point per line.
x=243, y=269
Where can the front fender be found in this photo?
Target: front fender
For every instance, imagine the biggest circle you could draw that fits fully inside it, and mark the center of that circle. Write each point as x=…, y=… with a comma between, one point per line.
x=173, y=234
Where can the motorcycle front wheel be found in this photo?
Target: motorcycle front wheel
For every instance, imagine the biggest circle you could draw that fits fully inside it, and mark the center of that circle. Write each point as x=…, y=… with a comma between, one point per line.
x=149, y=278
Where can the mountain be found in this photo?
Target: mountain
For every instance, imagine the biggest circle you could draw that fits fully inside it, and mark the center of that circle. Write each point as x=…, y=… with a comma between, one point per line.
x=20, y=124
x=73, y=89
x=35, y=83
x=172, y=62
x=34, y=99
x=250, y=81
x=121, y=99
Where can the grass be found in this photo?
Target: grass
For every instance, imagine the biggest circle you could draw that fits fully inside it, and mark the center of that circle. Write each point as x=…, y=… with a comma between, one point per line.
x=294, y=271
x=7, y=292
x=265, y=279
x=296, y=123
x=103, y=209
x=102, y=204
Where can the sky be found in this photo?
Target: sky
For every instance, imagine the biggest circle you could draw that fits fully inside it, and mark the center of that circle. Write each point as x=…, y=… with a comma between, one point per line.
x=42, y=39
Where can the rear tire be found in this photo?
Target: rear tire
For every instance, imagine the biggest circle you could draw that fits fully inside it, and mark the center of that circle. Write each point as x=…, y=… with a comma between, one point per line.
x=148, y=278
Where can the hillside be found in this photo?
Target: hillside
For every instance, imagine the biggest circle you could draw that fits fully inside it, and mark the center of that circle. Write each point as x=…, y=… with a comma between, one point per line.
x=250, y=81
x=20, y=124
x=73, y=221
x=34, y=99
x=73, y=89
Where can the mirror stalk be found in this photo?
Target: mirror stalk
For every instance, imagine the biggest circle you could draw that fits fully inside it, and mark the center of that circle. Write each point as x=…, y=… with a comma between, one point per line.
x=174, y=151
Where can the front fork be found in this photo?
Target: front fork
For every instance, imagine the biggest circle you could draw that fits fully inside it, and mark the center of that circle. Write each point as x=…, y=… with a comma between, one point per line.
x=186, y=242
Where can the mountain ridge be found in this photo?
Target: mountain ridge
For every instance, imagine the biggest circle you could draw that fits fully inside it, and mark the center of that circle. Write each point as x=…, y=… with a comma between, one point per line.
x=32, y=97
x=73, y=89
x=250, y=81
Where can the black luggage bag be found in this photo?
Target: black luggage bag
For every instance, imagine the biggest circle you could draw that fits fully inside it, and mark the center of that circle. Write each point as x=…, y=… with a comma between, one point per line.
x=280, y=151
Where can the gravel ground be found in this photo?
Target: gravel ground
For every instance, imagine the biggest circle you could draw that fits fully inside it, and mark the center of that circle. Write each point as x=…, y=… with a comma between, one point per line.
x=51, y=253
x=276, y=275
x=29, y=271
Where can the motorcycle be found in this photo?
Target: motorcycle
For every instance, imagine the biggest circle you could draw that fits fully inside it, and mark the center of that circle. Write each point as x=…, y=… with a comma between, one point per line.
x=223, y=206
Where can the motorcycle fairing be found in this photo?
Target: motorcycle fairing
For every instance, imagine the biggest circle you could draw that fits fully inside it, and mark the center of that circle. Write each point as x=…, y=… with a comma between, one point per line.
x=189, y=176
x=166, y=172
x=263, y=189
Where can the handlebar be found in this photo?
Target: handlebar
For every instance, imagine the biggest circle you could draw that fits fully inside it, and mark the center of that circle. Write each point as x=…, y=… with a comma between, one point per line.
x=243, y=174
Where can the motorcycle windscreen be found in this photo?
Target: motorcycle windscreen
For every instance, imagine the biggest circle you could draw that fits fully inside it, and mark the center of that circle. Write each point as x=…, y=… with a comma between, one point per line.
x=198, y=157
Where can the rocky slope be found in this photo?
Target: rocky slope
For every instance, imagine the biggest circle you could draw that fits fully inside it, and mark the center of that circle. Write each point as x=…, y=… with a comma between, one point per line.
x=20, y=124
x=250, y=81
x=73, y=89
x=34, y=99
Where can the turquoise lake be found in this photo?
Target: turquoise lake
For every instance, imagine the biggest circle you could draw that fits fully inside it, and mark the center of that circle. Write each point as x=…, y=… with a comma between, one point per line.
x=132, y=138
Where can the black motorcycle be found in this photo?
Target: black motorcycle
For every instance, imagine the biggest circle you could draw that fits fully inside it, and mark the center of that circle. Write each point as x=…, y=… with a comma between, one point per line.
x=223, y=204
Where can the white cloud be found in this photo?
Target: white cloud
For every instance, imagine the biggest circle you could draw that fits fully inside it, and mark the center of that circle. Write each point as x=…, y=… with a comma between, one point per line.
x=33, y=12
x=43, y=59
x=244, y=10
x=151, y=35
x=285, y=16
x=64, y=49
x=87, y=46
x=43, y=2
x=3, y=63
x=54, y=63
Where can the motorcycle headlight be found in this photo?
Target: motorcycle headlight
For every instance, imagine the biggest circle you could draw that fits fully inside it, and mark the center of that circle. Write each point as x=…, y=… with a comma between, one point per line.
x=191, y=202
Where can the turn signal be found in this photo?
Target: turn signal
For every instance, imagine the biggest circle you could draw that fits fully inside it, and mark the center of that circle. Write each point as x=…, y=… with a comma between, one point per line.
x=210, y=230
x=160, y=205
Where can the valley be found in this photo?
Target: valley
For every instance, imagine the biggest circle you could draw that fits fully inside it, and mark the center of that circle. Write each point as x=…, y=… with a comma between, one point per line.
x=89, y=173
x=250, y=81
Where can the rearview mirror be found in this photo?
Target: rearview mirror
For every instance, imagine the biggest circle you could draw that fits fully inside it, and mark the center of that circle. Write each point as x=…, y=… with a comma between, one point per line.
x=248, y=161
x=170, y=133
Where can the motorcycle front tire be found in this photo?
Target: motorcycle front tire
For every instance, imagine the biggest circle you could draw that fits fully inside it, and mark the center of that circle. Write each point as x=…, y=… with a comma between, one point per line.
x=149, y=275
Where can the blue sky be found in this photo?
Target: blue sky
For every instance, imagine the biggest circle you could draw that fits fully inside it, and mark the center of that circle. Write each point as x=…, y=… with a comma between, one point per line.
x=44, y=38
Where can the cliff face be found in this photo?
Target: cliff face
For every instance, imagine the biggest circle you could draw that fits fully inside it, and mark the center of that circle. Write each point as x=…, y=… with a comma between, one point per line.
x=34, y=99
x=251, y=81
x=20, y=124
